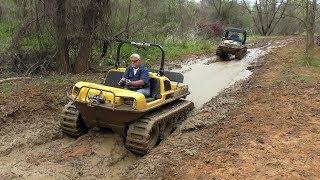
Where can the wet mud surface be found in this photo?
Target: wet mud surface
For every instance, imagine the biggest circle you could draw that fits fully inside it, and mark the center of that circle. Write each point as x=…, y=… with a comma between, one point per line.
x=33, y=147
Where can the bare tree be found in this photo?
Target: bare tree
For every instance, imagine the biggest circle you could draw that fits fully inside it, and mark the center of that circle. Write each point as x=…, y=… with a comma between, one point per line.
x=222, y=8
x=266, y=14
x=306, y=14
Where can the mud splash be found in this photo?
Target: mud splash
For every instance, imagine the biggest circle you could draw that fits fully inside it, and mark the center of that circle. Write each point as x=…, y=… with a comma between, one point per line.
x=206, y=80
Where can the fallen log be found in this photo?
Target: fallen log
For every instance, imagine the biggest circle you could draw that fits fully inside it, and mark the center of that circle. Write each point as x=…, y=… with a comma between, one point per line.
x=14, y=79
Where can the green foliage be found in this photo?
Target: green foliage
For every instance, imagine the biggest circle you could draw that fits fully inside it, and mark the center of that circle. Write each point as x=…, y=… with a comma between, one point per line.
x=229, y=13
x=306, y=78
x=309, y=59
x=259, y=37
x=292, y=77
x=37, y=39
x=6, y=30
x=5, y=70
x=58, y=79
x=30, y=43
x=152, y=56
x=180, y=49
x=9, y=87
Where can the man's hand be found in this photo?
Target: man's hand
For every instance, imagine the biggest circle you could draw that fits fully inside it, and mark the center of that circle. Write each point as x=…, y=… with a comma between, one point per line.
x=128, y=82
x=121, y=82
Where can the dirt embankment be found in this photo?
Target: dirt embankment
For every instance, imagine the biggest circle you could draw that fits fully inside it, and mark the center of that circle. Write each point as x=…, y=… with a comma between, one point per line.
x=264, y=127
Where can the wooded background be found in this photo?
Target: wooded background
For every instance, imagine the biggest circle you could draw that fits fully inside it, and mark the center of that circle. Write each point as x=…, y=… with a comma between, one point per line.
x=67, y=35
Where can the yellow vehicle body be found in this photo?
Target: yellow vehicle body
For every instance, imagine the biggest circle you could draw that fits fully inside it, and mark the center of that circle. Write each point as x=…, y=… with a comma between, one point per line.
x=115, y=96
x=115, y=111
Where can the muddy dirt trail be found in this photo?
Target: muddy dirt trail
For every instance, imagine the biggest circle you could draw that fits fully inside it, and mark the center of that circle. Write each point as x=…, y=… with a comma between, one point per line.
x=206, y=77
x=33, y=147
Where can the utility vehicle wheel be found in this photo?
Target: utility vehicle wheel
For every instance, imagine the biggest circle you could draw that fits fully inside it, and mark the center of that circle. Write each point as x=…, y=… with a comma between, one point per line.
x=143, y=134
x=142, y=137
x=71, y=121
x=241, y=53
x=245, y=50
x=238, y=55
x=219, y=52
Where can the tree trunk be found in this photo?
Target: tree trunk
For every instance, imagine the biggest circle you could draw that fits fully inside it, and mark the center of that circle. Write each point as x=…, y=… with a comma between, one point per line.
x=0, y=13
x=81, y=63
x=94, y=10
x=83, y=57
x=38, y=25
x=128, y=20
x=266, y=15
x=311, y=8
x=62, y=57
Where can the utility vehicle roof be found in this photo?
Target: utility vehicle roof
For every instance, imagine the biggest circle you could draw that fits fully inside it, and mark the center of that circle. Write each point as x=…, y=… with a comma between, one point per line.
x=236, y=30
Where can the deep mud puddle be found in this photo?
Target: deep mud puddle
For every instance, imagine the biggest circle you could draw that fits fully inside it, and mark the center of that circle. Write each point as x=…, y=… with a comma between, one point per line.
x=206, y=80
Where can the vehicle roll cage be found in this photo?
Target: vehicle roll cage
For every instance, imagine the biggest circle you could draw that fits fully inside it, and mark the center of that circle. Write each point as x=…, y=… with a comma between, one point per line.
x=226, y=34
x=139, y=44
x=173, y=76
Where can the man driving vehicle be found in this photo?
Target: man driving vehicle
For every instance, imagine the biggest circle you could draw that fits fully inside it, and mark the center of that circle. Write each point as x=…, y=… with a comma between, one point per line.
x=136, y=76
x=235, y=37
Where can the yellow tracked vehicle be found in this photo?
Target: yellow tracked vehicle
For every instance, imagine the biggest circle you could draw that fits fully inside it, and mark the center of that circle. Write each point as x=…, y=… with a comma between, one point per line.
x=143, y=121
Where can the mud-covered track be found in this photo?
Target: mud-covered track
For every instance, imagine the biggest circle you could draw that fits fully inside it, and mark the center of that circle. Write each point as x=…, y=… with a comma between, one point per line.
x=143, y=134
x=71, y=122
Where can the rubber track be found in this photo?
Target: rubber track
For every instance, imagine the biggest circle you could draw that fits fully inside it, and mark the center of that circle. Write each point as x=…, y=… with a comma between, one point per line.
x=138, y=131
x=219, y=52
x=239, y=55
x=69, y=120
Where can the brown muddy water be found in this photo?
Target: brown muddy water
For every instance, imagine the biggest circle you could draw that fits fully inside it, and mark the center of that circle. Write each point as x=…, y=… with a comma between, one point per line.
x=206, y=80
